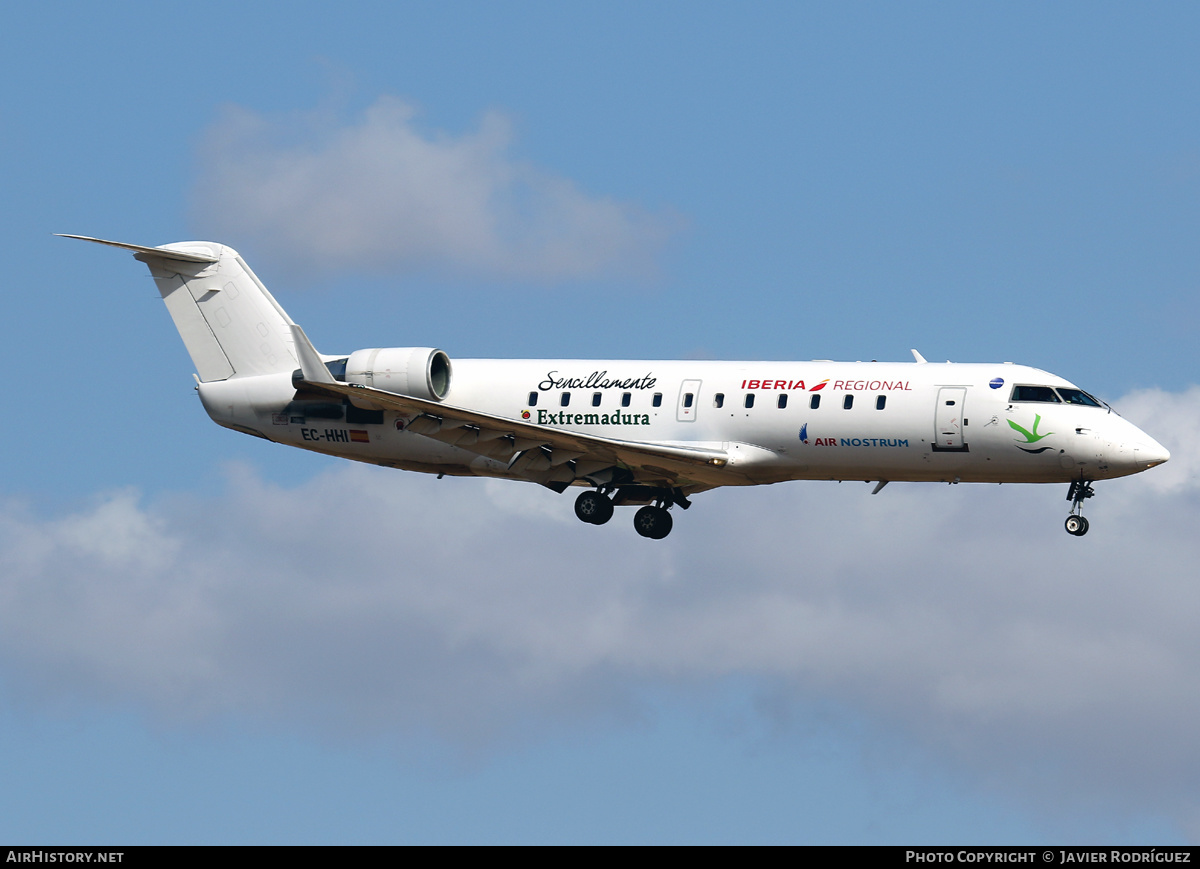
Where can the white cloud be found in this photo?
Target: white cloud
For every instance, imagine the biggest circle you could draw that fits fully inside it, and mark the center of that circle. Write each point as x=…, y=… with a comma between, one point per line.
x=381, y=194
x=1178, y=418
x=395, y=603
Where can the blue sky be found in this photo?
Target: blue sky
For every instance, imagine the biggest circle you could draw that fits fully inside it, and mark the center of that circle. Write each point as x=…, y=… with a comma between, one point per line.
x=207, y=638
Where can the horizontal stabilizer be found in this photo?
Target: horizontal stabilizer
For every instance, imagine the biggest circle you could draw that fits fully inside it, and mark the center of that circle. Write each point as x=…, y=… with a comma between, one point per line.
x=163, y=252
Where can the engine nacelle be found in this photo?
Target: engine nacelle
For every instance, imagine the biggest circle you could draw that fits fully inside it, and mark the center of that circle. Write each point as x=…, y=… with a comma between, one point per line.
x=421, y=372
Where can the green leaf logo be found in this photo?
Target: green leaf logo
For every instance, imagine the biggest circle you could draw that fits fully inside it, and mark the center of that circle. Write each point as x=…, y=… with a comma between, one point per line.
x=1031, y=437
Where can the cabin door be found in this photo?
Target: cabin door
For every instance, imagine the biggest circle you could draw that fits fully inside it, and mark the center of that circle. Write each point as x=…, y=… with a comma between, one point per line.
x=948, y=419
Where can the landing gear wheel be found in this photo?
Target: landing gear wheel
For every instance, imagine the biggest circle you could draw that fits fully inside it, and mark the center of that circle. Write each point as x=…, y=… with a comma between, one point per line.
x=653, y=522
x=594, y=508
x=1076, y=525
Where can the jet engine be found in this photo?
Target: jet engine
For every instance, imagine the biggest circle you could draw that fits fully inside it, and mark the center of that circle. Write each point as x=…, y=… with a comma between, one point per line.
x=421, y=372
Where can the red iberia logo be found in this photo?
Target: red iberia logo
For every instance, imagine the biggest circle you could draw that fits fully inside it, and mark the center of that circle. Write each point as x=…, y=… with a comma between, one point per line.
x=783, y=384
x=836, y=385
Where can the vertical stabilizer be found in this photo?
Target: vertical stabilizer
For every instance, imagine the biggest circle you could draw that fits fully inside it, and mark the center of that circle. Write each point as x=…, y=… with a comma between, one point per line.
x=229, y=322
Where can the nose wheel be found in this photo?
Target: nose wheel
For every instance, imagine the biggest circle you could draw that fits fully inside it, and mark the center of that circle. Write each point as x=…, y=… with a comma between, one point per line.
x=1079, y=492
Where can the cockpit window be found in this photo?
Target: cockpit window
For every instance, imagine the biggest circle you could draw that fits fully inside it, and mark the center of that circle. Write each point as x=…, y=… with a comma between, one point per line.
x=1035, y=393
x=1078, y=396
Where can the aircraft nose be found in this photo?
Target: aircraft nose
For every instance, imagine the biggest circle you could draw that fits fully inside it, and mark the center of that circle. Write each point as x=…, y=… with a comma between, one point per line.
x=1131, y=451
x=1149, y=453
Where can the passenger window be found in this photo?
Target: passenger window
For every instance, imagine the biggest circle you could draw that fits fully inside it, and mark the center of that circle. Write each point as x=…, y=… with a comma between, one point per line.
x=533, y=399
x=814, y=402
x=625, y=400
x=719, y=400
x=848, y=402
x=782, y=400
x=880, y=401
x=595, y=399
x=657, y=399
x=1034, y=393
x=687, y=400
x=749, y=399
x=565, y=400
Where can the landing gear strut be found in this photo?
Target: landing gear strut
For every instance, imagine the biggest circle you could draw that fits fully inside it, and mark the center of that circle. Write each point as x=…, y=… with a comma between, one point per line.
x=1079, y=492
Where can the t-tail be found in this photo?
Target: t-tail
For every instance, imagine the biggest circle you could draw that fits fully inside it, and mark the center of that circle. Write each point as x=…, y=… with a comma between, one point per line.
x=231, y=325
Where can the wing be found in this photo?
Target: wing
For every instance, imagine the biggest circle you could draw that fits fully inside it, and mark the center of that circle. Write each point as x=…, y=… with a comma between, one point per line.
x=537, y=452
x=533, y=448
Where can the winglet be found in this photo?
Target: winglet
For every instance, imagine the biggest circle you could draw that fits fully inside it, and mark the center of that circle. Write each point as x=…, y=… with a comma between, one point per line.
x=917, y=356
x=162, y=252
x=311, y=366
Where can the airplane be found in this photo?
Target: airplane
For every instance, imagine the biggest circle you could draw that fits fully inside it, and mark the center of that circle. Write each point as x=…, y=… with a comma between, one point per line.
x=651, y=434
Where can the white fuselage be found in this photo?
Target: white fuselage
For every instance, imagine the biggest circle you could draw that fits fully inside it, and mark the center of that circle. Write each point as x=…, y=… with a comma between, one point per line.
x=946, y=422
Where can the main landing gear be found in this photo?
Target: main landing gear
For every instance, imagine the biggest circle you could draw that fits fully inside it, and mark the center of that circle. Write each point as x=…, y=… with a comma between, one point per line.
x=1079, y=492
x=593, y=508
x=652, y=520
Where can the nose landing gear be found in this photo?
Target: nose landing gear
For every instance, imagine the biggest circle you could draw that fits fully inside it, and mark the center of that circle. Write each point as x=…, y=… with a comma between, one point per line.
x=1079, y=492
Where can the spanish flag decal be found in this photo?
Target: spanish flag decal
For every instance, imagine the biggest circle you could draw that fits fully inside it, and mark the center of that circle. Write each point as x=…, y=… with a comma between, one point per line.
x=359, y=436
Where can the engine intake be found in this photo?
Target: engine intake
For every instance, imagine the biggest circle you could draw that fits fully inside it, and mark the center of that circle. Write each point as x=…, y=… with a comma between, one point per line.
x=421, y=372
